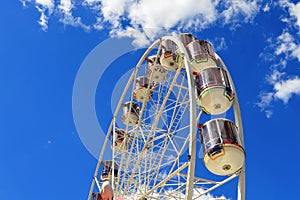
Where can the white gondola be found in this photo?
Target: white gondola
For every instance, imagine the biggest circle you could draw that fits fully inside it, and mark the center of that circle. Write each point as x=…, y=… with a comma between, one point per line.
x=214, y=91
x=108, y=170
x=221, y=147
x=130, y=113
x=142, y=89
x=202, y=55
x=168, y=56
x=122, y=140
x=186, y=38
x=155, y=71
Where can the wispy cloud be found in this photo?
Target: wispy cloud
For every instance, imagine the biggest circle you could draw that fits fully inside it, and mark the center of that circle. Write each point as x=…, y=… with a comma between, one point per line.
x=221, y=44
x=61, y=10
x=286, y=45
x=245, y=9
x=265, y=100
x=283, y=89
x=65, y=10
x=46, y=3
x=293, y=9
x=266, y=7
x=45, y=7
x=43, y=21
x=286, y=88
x=284, y=48
x=274, y=76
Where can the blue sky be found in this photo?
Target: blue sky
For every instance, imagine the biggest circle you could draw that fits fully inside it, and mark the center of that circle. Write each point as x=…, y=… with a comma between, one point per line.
x=43, y=44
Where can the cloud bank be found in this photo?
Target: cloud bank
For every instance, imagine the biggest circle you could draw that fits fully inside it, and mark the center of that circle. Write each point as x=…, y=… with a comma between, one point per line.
x=145, y=20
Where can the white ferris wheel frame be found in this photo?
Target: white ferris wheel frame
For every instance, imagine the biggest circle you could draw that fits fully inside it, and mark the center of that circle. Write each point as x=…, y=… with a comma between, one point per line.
x=193, y=127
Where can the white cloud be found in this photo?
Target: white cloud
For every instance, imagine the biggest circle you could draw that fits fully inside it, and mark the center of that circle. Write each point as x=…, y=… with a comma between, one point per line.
x=57, y=9
x=265, y=100
x=43, y=21
x=65, y=8
x=294, y=10
x=275, y=76
x=98, y=24
x=269, y=113
x=24, y=2
x=153, y=18
x=266, y=8
x=92, y=4
x=296, y=52
x=140, y=39
x=146, y=20
x=45, y=7
x=221, y=44
x=285, y=89
x=46, y=3
x=287, y=46
x=168, y=14
x=244, y=8
x=283, y=48
x=113, y=10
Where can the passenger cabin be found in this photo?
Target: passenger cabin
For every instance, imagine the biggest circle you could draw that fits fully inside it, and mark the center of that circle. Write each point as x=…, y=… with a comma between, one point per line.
x=155, y=71
x=214, y=91
x=142, y=89
x=108, y=170
x=168, y=55
x=130, y=113
x=202, y=55
x=122, y=140
x=185, y=39
x=221, y=146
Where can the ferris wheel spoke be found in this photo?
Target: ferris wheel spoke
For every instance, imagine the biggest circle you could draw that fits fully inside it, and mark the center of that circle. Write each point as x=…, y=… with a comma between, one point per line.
x=154, y=125
x=164, y=181
x=156, y=174
x=160, y=162
x=173, y=162
x=217, y=185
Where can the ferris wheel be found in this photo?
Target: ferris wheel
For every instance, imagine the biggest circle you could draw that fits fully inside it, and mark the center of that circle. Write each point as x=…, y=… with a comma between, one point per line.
x=179, y=91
